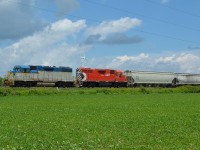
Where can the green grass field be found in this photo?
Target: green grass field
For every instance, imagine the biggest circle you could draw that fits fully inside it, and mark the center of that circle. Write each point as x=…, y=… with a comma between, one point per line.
x=100, y=121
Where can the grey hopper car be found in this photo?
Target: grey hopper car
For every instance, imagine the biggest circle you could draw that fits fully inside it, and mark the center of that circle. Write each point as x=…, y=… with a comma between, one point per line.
x=188, y=79
x=147, y=78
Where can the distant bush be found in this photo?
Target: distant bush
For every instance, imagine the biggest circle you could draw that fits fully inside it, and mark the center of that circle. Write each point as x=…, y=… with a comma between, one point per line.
x=81, y=92
x=189, y=89
x=6, y=92
x=144, y=91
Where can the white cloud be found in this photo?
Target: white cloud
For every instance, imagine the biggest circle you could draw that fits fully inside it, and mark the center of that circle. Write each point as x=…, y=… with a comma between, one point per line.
x=167, y=59
x=115, y=26
x=53, y=45
x=180, y=63
x=47, y=47
x=187, y=62
x=125, y=60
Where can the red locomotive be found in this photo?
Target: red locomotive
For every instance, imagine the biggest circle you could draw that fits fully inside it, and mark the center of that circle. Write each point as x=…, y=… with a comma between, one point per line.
x=87, y=77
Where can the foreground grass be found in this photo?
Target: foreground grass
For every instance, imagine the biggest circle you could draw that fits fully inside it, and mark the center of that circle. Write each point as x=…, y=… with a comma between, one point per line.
x=100, y=121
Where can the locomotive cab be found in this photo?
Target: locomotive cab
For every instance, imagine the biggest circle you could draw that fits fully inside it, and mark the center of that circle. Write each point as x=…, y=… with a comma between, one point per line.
x=21, y=69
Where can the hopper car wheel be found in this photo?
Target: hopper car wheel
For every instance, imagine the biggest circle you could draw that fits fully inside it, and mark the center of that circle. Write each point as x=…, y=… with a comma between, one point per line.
x=174, y=82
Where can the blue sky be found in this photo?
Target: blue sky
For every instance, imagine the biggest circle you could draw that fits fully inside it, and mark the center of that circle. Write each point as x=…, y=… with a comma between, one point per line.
x=158, y=35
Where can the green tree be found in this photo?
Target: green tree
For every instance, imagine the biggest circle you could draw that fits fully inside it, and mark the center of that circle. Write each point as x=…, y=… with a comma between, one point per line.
x=1, y=81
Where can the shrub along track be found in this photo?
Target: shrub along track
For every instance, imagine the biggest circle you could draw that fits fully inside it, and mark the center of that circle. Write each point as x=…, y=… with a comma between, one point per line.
x=8, y=91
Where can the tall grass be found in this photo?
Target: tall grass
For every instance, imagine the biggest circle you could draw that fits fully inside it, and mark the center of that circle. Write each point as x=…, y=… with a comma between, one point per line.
x=7, y=91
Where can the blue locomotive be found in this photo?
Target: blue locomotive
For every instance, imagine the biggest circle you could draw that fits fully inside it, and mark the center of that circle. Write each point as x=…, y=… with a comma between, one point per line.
x=30, y=75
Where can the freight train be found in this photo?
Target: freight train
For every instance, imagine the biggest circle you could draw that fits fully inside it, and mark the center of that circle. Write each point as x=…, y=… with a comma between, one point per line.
x=30, y=76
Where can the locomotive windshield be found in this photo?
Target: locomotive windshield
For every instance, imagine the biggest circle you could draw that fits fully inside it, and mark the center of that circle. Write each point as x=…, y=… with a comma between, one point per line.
x=17, y=69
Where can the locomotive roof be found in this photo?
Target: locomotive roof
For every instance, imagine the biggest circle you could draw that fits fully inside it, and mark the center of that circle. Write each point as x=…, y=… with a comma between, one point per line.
x=19, y=66
x=147, y=71
x=188, y=74
x=99, y=69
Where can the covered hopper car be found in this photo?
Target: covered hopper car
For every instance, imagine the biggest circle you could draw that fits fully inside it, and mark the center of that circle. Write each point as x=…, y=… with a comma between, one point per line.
x=147, y=78
x=188, y=79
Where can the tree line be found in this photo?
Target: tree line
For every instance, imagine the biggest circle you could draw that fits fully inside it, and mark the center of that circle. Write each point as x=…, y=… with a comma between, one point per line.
x=1, y=81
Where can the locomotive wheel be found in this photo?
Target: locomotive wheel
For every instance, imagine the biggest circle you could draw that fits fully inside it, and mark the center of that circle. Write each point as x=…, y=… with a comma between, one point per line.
x=63, y=84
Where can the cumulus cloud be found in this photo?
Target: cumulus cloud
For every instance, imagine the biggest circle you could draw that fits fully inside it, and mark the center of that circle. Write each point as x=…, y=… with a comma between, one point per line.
x=115, y=26
x=113, y=32
x=125, y=62
x=47, y=47
x=179, y=63
x=117, y=38
x=53, y=44
x=186, y=62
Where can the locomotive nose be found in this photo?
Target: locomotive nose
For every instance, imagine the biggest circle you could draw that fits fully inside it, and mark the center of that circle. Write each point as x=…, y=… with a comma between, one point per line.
x=81, y=76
